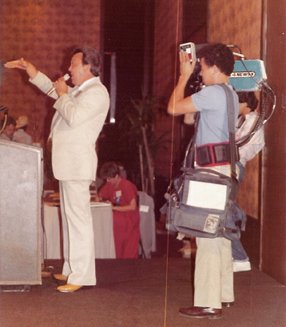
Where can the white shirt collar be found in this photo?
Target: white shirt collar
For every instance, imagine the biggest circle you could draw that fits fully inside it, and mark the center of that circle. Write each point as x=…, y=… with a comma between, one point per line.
x=87, y=83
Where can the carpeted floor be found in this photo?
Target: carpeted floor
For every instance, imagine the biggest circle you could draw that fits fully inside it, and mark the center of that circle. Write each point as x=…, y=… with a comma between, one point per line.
x=139, y=293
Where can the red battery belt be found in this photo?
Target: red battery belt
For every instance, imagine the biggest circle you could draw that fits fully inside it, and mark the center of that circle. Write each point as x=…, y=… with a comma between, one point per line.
x=214, y=154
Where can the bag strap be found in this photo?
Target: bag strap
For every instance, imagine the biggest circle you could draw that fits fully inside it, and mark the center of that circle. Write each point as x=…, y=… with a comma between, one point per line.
x=231, y=127
x=190, y=150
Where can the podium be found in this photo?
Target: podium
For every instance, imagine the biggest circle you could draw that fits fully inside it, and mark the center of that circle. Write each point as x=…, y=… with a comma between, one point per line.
x=21, y=185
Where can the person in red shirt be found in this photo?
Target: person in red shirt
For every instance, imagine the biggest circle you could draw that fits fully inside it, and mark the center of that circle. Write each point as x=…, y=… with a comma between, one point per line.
x=122, y=194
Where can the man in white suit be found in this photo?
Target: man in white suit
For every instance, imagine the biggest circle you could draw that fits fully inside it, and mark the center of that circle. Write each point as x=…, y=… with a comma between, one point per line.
x=78, y=119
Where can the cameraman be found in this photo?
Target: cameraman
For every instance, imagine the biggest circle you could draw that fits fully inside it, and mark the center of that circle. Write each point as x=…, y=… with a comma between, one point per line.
x=213, y=272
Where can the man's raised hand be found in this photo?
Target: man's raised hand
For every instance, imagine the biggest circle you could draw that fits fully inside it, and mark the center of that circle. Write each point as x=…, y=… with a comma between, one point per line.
x=24, y=65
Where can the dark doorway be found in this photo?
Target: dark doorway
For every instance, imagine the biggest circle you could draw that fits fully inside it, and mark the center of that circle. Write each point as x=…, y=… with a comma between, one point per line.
x=127, y=32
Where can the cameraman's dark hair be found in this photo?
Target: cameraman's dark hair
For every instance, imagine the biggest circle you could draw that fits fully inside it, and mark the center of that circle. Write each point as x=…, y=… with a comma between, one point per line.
x=249, y=98
x=109, y=170
x=218, y=54
x=90, y=56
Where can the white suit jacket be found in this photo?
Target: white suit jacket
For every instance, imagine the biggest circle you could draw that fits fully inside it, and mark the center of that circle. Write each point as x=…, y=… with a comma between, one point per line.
x=75, y=127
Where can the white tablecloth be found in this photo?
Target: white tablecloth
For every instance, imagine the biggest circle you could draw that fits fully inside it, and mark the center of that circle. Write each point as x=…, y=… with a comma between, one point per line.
x=102, y=227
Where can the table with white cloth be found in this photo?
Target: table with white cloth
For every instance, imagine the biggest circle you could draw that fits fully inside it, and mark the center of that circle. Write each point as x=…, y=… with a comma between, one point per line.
x=102, y=227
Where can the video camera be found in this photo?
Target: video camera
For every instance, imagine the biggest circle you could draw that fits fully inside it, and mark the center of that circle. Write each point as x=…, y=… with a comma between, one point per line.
x=247, y=76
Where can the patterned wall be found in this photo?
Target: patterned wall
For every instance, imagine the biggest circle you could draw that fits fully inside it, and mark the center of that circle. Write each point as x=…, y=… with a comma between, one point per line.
x=43, y=32
x=236, y=22
x=239, y=22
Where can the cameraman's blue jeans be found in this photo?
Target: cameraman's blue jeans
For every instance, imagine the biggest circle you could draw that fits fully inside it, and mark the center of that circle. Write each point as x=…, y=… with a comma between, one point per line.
x=238, y=252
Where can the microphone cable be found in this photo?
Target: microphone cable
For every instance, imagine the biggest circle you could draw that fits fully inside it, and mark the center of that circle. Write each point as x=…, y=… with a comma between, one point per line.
x=5, y=110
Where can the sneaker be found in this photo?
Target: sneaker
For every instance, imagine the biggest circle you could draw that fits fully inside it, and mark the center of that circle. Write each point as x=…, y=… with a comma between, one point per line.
x=241, y=265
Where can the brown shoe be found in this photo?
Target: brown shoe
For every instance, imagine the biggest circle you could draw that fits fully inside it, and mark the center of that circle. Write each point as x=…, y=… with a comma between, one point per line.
x=60, y=277
x=201, y=312
x=68, y=288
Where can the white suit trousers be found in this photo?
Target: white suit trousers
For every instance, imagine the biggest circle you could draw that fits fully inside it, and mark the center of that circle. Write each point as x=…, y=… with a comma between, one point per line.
x=79, y=257
x=213, y=273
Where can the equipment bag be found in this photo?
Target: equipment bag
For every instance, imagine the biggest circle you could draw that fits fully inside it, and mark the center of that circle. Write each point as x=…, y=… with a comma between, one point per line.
x=202, y=205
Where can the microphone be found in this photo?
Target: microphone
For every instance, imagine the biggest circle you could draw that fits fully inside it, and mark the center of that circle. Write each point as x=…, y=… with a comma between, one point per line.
x=52, y=89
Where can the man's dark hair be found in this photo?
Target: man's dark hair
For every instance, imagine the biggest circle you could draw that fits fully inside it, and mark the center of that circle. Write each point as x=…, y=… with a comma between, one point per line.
x=249, y=98
x=109, y=170
x=218, y=54
x=90, y=56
